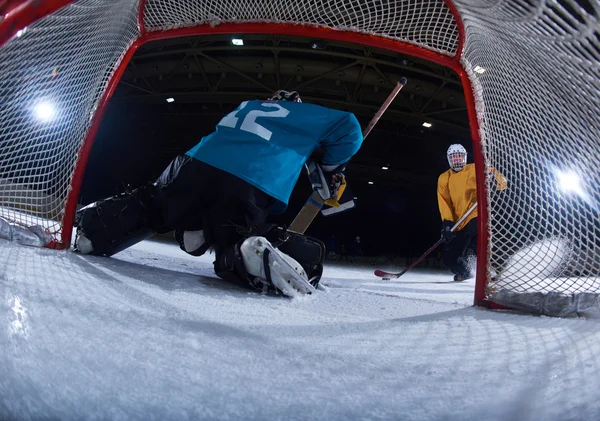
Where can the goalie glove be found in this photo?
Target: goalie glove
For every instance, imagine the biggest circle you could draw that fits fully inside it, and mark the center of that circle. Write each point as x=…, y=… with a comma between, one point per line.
x=328, y=181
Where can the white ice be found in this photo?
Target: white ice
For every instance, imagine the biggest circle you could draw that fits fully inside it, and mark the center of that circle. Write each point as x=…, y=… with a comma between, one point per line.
x=152, y=334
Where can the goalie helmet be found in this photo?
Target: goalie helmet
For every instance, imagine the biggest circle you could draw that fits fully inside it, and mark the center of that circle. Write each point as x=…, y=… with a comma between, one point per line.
x=457, y=157
x=282, y=95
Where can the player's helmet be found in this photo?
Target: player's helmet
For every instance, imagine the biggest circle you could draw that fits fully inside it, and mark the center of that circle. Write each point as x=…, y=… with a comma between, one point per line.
x=457, y=157
x=282, y=95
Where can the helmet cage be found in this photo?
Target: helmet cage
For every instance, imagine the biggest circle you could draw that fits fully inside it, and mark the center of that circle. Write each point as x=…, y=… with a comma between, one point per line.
x=457, y=160
x=283, y=95
x=457, y=157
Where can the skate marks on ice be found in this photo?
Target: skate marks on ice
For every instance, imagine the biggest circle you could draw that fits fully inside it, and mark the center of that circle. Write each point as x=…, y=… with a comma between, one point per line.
x=33, y=235
x=84, y=338
x=430, y=285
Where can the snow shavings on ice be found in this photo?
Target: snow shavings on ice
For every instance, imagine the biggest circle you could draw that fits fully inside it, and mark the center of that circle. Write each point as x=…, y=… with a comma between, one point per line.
x=152, y=334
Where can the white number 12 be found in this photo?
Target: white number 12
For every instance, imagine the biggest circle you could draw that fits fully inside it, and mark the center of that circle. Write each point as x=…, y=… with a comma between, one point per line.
x=249, y=123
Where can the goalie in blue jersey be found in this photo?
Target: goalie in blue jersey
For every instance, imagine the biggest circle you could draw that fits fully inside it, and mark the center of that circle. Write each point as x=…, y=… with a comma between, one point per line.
x=220, y=192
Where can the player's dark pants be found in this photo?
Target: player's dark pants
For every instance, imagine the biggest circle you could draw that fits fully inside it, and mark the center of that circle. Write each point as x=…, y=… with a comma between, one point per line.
x=462, y=246
x=192, y=195
x=189, y=195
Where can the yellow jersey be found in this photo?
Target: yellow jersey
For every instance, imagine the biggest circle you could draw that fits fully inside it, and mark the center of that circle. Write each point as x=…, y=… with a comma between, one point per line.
x=457, y=192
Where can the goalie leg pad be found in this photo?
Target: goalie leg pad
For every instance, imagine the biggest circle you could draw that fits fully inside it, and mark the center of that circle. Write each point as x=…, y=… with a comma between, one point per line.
x=192, y=242
x=111, y=225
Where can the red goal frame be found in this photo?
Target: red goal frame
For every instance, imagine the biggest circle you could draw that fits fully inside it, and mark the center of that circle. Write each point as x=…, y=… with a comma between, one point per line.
x=18, y=14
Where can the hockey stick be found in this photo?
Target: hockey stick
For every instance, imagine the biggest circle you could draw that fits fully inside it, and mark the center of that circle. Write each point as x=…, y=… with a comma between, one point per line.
x=314, y=204
x=388, y=275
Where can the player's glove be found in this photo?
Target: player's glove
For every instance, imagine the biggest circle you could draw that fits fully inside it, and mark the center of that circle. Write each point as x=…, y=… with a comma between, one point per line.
x=327, y=180
x=447, y=233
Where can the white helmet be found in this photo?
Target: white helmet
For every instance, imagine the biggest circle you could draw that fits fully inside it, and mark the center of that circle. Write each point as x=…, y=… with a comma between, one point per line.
x=457, y=157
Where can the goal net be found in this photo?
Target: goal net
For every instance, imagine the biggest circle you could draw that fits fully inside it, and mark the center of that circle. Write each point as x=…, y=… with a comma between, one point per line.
x=530, y=71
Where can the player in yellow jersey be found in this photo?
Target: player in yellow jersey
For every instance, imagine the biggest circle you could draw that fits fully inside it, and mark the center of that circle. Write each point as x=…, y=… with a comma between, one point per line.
x=457, y=192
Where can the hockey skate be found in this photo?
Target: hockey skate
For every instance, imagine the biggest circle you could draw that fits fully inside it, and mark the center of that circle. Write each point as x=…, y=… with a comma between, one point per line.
x=460, y=278
x=271, y=266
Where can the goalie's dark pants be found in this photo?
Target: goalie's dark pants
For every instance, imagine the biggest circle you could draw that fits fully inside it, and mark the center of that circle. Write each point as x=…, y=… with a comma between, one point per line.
x=192, y=195
x=462, y=246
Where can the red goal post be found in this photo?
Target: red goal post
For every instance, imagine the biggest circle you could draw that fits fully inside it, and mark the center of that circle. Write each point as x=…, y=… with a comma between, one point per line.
x=507, y=56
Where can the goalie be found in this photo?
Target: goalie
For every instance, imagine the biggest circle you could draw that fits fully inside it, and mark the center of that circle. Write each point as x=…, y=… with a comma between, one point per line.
x=220, y=192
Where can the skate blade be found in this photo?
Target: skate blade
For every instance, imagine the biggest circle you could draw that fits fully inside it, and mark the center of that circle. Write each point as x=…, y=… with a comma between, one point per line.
x=293, y=286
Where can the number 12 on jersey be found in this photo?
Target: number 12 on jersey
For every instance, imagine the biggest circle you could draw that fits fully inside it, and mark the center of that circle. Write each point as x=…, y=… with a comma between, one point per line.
x=249, y=123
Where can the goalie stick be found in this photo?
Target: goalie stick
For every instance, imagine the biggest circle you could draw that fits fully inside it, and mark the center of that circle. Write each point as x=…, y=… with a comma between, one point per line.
x=314, y=204
x=388, y=275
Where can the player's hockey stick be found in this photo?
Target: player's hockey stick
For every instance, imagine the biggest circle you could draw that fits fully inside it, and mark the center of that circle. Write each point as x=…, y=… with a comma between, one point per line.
x=388, y=275
x=314, y=204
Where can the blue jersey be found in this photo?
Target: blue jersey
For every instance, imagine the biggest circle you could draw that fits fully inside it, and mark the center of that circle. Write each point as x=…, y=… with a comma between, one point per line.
x=266, y=143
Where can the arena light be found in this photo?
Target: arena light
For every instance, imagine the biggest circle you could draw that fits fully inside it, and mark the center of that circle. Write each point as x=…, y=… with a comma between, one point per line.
x=45, y=111
x=370, y=182
x=479, y=69
x=237, y=41
x=170, y=99
x=427, y=124
x=384, y=168
x=570, y=182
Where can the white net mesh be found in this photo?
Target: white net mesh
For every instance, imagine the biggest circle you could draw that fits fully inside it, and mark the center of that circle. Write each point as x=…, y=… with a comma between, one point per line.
x=534, y=67
x=539, y=107
x=427, y=23
x=53, y=74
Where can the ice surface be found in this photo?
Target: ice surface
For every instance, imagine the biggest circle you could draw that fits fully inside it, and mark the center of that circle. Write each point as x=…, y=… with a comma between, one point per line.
x=29, y=236
x=151, y=334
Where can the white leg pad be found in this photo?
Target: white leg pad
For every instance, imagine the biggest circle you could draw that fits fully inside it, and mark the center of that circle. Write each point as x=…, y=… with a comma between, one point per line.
x=287, y=274
x=84, y=244
x=193, y=240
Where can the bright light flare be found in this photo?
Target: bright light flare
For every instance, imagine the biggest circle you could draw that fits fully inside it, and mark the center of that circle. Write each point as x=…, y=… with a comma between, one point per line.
x=237, y=41
x=427, y=124
x=569, y=182
x=170, y=99
x=384, y=168
x=370, y=182
x=45, y=111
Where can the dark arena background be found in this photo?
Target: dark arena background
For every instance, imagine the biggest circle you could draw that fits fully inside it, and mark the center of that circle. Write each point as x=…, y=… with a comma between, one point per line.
x=97, y=96
x=393, y=176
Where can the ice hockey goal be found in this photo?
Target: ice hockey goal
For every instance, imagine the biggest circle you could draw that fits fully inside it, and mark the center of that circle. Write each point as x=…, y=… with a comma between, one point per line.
x=529, y=69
